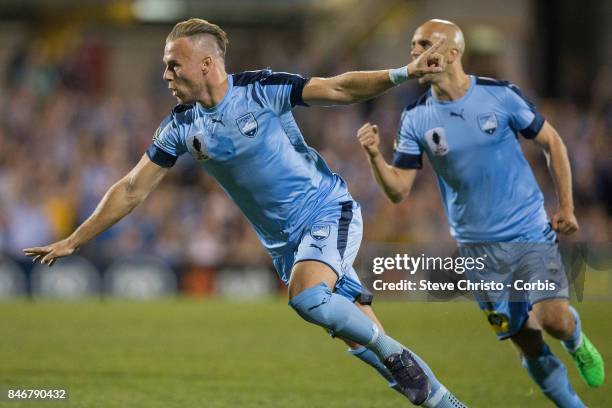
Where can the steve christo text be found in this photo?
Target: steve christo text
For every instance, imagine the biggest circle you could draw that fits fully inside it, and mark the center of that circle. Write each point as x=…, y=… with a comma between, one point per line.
x=463, y=285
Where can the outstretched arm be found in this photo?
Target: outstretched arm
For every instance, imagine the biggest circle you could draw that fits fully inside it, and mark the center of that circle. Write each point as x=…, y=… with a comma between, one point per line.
x=396, y=183
x=564, y=220
x=352, y=87
x=118, y=202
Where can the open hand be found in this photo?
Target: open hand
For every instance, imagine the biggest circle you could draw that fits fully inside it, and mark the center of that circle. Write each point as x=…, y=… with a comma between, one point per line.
x=50, y=253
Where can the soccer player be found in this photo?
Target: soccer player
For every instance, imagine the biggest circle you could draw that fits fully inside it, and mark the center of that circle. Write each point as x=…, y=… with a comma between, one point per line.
x=467, y=126
x=240, y=129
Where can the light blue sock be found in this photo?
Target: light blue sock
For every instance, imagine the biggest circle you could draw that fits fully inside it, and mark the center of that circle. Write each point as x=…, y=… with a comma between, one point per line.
x=368, y=357
x=384, y=346
x=551, y=375
x=439, y=396
x=336, y=313
x=574, y=342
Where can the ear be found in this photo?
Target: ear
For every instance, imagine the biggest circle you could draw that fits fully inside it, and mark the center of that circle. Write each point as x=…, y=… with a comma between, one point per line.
x=206, y=65
x=453, y=55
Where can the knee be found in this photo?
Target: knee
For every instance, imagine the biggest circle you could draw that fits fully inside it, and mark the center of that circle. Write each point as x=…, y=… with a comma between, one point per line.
x=558, y=322
x=312, y=304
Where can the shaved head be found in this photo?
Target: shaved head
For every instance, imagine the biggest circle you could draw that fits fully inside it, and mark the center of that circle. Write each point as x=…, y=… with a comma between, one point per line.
x=207, y=44
x=443, y=28
x=451, y=51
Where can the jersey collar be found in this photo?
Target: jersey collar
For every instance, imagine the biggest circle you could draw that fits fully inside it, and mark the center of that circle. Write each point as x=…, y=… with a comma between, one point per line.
x=456, y=101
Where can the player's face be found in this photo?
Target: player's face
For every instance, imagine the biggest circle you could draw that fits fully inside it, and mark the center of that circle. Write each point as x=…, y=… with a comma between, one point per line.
x=421, y=41
x=183, y=71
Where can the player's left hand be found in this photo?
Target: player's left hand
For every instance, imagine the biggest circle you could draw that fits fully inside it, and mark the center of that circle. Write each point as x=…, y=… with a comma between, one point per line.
x=564, y=221
x=429, y=62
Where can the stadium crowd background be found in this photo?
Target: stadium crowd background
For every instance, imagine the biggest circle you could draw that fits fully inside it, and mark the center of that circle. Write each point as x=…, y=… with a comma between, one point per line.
x=71, y=125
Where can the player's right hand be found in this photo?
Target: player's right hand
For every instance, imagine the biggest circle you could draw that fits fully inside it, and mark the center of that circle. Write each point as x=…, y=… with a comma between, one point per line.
x=50, y=253
x=369, y=139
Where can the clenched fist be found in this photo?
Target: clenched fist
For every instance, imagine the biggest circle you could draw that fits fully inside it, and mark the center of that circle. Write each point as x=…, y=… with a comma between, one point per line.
x=564, y=221
x=369, y=139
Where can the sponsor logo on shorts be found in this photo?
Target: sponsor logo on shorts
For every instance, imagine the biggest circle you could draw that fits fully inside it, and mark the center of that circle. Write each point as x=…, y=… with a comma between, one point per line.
x=320, y=248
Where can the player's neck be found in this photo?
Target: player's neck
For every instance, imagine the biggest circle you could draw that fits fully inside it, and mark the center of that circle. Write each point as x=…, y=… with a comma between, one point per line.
x=453, y=87
x=215, y=90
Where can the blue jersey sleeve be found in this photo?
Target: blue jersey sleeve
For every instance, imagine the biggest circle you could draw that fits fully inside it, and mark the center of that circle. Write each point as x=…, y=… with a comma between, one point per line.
x=524, y=117
x=168, y=143
x=282, y=91
x=407, y=152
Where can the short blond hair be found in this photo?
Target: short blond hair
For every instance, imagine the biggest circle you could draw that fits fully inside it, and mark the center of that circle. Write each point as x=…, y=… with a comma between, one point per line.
x=197, y=26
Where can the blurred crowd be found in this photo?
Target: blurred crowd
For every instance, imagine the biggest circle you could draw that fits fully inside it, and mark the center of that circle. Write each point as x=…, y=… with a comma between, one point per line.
x=64, y=139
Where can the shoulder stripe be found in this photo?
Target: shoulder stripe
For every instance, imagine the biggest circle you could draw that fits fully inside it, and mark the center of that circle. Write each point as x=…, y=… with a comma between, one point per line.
x=266, y=77
x=495, y=82
x=248, y=77
x=490, y=81
x=421, y=100
x=536, y=124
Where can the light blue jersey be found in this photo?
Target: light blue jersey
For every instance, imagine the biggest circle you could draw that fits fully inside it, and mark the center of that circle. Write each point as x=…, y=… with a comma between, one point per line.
x=488, y=189
x=251, y=144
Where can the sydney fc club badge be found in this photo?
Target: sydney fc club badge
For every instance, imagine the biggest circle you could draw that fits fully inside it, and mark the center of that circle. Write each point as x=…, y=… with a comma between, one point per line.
x=319, y=231
x=247, y=124
x=487, y=122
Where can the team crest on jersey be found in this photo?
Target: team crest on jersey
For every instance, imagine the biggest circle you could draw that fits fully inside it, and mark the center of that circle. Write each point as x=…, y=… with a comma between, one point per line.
x=247, y=125
x=488, y=122
x=436, y=139
x=319, y=231
x=197, y=147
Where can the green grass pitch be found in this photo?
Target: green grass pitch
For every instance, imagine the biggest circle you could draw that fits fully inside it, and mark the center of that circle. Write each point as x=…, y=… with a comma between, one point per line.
x=214, y=353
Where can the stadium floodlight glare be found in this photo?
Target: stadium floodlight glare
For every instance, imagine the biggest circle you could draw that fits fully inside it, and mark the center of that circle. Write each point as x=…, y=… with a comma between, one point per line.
x=159, y=10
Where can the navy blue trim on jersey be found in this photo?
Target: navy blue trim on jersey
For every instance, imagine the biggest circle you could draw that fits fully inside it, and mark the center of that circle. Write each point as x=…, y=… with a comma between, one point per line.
x=420, y=100
x=267, y=77
x=407, y=161
x=346, y=215
x=490, y=81
x=182, y=107
x=248, y=77
x=160, y=157
x=534, y=128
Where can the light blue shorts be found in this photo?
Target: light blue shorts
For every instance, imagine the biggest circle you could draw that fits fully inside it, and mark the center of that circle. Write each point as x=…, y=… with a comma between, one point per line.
x=333, y=238
x=511, y=262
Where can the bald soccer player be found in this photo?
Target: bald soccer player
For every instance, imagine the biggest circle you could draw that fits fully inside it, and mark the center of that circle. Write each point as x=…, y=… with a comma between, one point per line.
x=468, y=127
x=239, y=128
